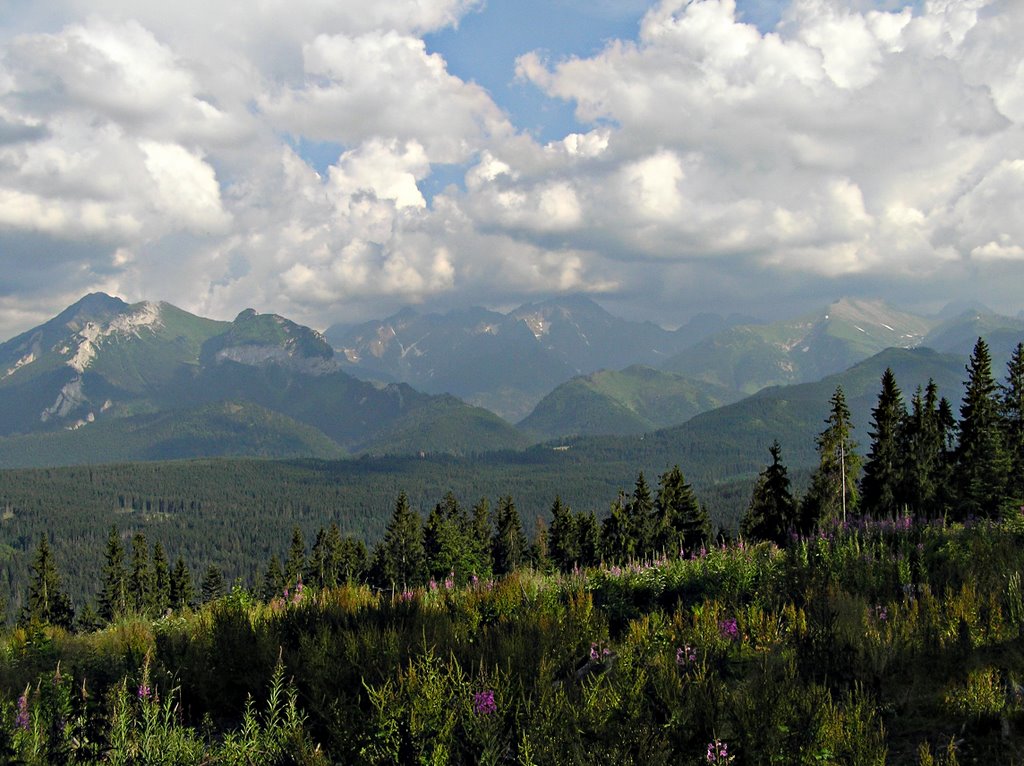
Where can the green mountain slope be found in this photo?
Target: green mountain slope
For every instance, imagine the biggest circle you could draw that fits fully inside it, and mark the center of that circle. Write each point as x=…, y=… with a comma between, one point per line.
x=751, y=357
x=165, y=373
x=227, y=429
x=629, y=401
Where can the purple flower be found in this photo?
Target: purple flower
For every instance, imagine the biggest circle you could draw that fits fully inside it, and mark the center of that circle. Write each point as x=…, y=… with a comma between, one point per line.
x=685, y=654
x=449, y=581
x=718, y=752
x=144, y=691
x=483, y=702
x=595, y=655
x=729, y=629
x=21, y=720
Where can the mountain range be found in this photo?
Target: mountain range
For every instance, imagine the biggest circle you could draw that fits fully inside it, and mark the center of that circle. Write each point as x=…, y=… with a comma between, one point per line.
x=106, y=381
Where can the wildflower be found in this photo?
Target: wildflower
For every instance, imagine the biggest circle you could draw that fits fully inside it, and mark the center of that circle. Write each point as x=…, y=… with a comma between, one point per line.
x=474, y=579
x=144, y=691
x=405, y=595
x=594, y=653
x=685, y=654
x=718, y=752
x=729, y=629
x=21, y=720
x=449, y=581
x=483, y=702
x=433, y=584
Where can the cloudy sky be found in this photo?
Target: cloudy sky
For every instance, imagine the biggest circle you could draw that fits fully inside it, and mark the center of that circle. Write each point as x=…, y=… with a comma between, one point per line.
x=333, y=160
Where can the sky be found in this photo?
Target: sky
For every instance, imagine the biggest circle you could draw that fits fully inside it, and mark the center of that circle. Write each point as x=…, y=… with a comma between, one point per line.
x=334, y=161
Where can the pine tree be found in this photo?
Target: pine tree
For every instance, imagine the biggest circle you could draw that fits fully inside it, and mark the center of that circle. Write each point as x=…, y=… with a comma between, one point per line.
x=1013, y=423
x=161, y=580
x=48, y=604
x=680, y=523
x=140, y=582
x=319, y=562
x=510, y=546
x=213, y=586
x=833, y=491
x=563, y=543
x=353, y=560
x=273, y=579
x=181, y=590
x=335, y=574
x=482, y=536
x=772, y=512
x=448, y=541
x=982, y=463
x=588, y=539
x=880, y=485
x=398, y=559
x=295, y=564
x=113, y=595
x=639, y=513
x=615, y=541
x=540, y=551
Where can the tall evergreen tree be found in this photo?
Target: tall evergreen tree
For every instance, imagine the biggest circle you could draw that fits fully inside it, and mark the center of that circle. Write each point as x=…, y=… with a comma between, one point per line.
x=161, y=580
x=448, y=541
x=399, y=560
x=295, y=564
x=982, y=464
x=1013, y=423
x=833, y=491
x=353, y=560
x=273, y=579
x=510, y=545
x=113, y=595
x=140, y=582
x=483, y=533
x=639, y=519
x=181, y=591
x=213, y=586
x=616, y=543
x=563, y=542
x=540, y=551
x=318, y=564
x=588, y=538
x=48, y=604
x=772, y=512
x=680, y=522
x=880, y=485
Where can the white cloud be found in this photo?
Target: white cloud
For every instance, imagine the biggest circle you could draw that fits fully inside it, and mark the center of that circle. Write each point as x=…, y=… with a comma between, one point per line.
x=160, y=157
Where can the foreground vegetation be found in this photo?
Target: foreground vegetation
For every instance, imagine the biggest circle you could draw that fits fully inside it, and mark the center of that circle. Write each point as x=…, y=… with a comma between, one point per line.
x=869, y=643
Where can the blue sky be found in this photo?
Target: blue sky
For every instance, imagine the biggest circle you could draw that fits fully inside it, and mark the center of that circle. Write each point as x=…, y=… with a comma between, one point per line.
x=334, y=161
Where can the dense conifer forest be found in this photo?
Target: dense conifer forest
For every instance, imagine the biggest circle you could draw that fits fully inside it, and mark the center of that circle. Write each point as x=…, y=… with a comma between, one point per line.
x=875, y=617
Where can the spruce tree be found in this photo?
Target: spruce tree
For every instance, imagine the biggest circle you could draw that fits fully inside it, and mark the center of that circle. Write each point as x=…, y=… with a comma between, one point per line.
x=680, y=522
x=113, y=596
x=880, y=485
x=540, y=553
x=588, y=539
x=616, y=544
x=48, y=604
x=161, y=580
x=273, y=579
x=448, y=541
x=509, y=545
x=833, y=491
x=399, y=561
x=140, y=581
x=639, y=519
x=563, y=542
x=982, y=463
x=353, y=560
x=1013, y=423
x=772, y=512
x=318, y=562
x=482, y=536
x=295, y=564
x=334, y=574
x=181, y=591
x=213, y=586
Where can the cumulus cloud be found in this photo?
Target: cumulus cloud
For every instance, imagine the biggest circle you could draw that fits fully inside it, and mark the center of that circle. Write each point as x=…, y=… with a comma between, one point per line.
x=158, y=156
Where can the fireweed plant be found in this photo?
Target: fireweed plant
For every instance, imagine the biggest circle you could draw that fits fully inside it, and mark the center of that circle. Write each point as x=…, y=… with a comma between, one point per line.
x=868, y=642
